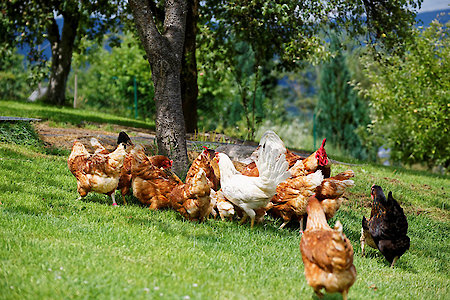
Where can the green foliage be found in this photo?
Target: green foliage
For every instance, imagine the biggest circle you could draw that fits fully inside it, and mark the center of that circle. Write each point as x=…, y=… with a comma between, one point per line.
x=21, y=133
x=13, y=77
x=282, y=36
x=232, y=97
x=31, y=23
x=410, y=99
x=107, y=83
x=340, y=112
x=54, y=247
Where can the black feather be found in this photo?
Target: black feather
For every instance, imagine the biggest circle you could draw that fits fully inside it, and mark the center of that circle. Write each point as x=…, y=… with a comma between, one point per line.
x=124, y=138
x=387, y=225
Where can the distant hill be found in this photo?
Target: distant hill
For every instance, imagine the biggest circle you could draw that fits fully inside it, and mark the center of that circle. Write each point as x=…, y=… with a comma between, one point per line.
x=427, y=17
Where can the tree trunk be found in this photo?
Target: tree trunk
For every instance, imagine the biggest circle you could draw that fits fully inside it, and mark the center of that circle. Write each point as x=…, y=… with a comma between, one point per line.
x=189, y=87
x=62, y=47
x=164, y=52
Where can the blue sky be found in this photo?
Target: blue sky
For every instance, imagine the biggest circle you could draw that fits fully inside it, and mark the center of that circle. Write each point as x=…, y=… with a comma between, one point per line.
x=432, y=5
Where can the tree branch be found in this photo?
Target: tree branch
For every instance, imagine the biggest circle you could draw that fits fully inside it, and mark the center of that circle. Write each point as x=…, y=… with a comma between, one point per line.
x=53, y=32
x=146, y=26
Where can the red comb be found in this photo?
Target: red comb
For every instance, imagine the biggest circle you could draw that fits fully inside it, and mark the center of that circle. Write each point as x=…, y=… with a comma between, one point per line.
x=321, y=154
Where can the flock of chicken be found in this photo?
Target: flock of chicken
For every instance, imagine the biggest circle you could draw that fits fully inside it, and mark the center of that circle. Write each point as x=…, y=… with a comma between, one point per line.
x=278, y=183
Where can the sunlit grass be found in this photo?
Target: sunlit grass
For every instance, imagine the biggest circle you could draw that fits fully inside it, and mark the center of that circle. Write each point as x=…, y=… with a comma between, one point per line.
x=66, y=116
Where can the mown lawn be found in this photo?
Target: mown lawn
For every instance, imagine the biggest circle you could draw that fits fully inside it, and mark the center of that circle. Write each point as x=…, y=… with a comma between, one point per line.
x=54, y=247
x=66, y=116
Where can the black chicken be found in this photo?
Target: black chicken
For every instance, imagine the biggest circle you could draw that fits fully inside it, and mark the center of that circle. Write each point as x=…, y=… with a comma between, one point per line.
x=387, y=227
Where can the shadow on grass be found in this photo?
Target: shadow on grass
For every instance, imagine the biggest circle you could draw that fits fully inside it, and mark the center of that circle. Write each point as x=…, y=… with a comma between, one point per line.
x=68, y=115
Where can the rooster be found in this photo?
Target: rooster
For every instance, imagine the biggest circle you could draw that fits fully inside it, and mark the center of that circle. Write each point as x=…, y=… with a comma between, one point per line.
x=387, y=227
x=254, y=193
x=326, y=253
x=98, y=172
x=291, y=198
x=316, y=161
x=151, y=184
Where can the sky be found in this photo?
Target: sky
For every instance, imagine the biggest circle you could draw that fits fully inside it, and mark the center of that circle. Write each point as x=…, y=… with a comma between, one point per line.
x=432, y=5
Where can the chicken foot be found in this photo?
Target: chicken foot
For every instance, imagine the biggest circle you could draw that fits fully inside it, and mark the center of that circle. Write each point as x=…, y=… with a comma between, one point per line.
x=344, y=295
x=113, y=197
x=394, y=261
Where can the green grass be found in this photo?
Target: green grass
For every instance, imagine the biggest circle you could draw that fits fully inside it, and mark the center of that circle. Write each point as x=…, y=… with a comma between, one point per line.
x=54, y=247
x=66, y=116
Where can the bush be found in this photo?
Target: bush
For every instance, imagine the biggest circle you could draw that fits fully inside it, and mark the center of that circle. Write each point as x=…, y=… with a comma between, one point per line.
x=13, y=77
x=410, y=99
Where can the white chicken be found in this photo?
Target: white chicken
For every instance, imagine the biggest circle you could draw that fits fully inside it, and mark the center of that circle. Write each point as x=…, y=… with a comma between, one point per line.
x=253, y=193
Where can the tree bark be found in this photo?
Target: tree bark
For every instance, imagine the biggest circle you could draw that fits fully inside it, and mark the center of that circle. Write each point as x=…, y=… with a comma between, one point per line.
x=164, y=52
x=62, y=47
x=189, y=87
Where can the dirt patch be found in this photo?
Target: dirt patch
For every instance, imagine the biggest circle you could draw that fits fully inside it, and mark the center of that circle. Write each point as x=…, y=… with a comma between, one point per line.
x=63, y=138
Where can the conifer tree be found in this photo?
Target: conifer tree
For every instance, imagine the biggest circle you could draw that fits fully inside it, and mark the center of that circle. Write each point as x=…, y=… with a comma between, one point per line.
x=340, y=112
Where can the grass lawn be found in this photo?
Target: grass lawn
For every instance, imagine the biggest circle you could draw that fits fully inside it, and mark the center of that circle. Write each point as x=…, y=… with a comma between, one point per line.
x=66, y=116
x=54, y=247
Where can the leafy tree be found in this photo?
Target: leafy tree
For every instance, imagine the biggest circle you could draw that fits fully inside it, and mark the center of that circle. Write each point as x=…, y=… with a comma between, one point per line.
x=108, y=81
x=13, y=77
x=288, y=30
x=340, y=112
x=164, y=49
x=410, y=99
x=32, y=22
x=285, y=29
x=226, y=94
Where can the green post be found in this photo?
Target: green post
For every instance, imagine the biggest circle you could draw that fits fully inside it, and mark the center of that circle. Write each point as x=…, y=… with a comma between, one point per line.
x=135, y=98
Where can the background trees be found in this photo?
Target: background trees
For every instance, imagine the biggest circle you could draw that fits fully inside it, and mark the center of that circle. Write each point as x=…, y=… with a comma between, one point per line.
x=339, y=110
x=107, y=82
x=31, y=22
x=410, y=98
x=257, y=64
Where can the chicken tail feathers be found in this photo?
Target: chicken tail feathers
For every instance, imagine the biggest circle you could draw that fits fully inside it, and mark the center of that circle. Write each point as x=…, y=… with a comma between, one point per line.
x=124, y=138
x=365, y=223
x=272, y=164
x=138, y=153
x=96, y=144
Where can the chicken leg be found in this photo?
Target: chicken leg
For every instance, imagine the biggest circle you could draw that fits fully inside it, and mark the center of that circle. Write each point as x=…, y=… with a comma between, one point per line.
x=394, y=261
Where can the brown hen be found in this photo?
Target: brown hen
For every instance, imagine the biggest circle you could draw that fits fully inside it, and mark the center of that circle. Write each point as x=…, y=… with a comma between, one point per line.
x=192, y=199
x=96, y=172
x=160, y=161
x=326, y=253
x=150, y=184
x=330, y=192
x=289, y=203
